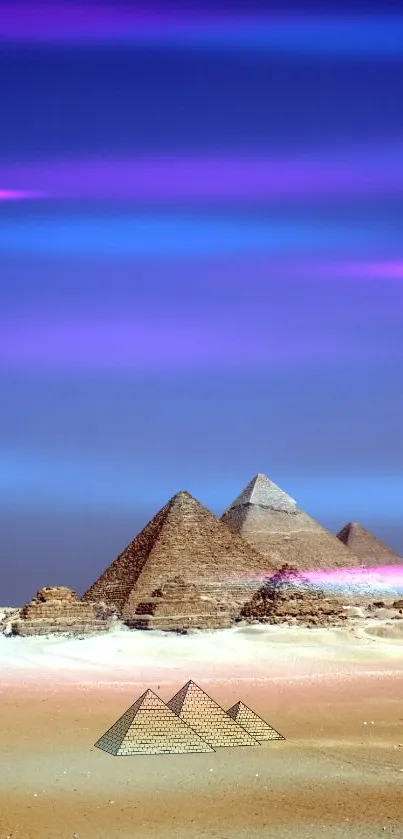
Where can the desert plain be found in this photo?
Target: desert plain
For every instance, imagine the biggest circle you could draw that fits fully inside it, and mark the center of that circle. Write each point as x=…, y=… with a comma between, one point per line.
x=335, y=694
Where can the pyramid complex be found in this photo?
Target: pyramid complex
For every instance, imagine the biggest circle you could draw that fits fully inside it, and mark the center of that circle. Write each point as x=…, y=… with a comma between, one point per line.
x=369, y=550
x=272, y=523
x=289, y=597
x=185, y=568
x=211, y=722
x=252, y=723
x=149, y=727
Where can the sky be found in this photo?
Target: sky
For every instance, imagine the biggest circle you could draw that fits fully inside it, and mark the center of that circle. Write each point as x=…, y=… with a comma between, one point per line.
x=201, y=269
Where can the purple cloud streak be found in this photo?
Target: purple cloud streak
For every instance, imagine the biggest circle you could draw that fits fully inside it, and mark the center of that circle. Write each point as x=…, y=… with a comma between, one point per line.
x=252, y=177
x=67, y=22
x=366, y=270
x=133, y=344
x=100, y=23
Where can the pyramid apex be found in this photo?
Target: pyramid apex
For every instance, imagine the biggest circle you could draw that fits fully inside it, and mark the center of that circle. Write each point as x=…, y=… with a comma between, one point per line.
x=262, y=492
x=190, y=683
x=348, y=529
x=148, y=701
x=184, y=495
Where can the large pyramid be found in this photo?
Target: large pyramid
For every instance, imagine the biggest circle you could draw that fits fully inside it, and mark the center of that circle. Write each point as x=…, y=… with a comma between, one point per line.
x=369, y=550
x=185, y=568
x=150, y=727
x=252, y=723
x=211, y=722
x=272, y=523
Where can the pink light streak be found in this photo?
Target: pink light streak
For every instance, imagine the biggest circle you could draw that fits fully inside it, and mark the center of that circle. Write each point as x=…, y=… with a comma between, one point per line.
x=388, y=576
x=18, y=195
x=378, y=578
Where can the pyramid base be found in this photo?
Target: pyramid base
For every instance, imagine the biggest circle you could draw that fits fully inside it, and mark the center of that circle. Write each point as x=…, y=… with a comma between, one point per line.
x=179, y=623
x=32, y=628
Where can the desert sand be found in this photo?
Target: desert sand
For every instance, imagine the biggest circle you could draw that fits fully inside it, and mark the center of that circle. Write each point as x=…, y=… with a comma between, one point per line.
x=336, y=695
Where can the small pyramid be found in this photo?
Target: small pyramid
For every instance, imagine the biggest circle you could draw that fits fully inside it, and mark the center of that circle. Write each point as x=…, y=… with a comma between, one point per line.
x=151, y=584
x=197, y=709
x=149, y=727
x=370, y=550
x=289, y=597
x=272, y=522
x=252, y=723
x=57, y=610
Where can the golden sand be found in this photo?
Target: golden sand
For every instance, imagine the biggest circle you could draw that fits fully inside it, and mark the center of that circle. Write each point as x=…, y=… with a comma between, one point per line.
x=339, y=774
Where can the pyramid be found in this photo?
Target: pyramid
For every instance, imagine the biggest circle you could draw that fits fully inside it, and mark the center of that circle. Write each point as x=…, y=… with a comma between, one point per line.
x=149, y=727
x=151, y=584
x=289, y=597
x=252, y=723
x=369, y=550
x=211, y=722
x=272, y=523
x=55, y=610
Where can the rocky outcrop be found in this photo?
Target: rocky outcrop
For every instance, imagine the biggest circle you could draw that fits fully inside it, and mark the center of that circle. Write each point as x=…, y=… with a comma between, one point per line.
x=56, y=610
x=288, y=597
x=179, y=606
x=7, y=618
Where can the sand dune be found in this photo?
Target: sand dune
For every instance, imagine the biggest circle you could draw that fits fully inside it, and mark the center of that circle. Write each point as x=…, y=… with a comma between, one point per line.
x=243, y=652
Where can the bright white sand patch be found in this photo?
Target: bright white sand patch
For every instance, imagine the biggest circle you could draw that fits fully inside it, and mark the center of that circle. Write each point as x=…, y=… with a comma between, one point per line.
x=243, y=652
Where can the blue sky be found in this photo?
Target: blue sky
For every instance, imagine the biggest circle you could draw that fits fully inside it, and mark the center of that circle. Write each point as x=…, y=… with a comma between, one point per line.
x=164, y=333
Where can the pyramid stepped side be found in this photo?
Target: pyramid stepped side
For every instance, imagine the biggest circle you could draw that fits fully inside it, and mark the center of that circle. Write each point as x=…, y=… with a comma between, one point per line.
x=210, y=721
x=113, y=737
x=157, y=733
x=252, y=723
x=117, y=581
x=179, y=606
x=370, y=550
x=177, y=701
x=274, y=525
x=150, y=727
